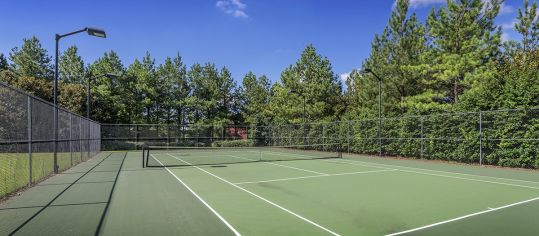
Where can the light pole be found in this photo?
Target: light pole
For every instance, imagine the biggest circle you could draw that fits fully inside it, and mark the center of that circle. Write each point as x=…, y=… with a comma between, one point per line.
x=367, y=70
x=294, y=91
x=90, y=31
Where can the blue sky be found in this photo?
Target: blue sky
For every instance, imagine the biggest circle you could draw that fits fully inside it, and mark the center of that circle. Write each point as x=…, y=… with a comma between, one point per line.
x=262, y=36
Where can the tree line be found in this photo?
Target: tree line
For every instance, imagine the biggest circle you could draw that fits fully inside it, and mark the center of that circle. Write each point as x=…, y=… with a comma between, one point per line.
x=454, y=60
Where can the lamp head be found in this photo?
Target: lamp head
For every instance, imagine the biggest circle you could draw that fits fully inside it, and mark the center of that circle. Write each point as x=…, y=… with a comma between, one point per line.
x=96, y=32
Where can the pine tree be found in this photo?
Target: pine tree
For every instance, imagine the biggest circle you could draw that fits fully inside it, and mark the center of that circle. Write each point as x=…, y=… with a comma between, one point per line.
x=196, y=101
x=528, y=26
x=106, y=92
x=396, y=58
x=31, y=60
x=255, y=95
x=175, y=89
x=71, y=66
x=311, y=77
x=226, y=95
x=3, y=62
x=465, y=41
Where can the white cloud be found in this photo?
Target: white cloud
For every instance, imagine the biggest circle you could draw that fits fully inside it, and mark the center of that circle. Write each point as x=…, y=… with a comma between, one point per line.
x=344, y=77
x=509, y=26
x=233, y=7
x=505, y=37
x=423, y=3
x=506, y=9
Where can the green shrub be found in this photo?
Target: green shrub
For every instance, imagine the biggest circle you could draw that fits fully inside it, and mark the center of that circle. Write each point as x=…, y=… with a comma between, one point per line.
x=234, y=143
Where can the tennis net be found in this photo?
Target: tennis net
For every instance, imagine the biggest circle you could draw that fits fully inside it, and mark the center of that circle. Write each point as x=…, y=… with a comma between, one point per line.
x=167, y=156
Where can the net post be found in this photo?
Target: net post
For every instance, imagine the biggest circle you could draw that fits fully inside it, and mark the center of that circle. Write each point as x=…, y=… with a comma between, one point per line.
x=480, y=138
x=147, y=155
x=29, y=114
x=143, y=154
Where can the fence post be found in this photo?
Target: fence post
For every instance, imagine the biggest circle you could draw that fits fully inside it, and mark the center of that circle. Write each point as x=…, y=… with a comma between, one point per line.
x=168, y=135
x=71, y=138
x=422, y=137
x=89, y=132
x=80, y=139
x=324, y=136
x=29, y=140
x=348, y=135
x=480, y=138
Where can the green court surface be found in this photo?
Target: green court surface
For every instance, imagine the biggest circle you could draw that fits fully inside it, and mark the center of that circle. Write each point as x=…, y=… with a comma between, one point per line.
x=112, y=194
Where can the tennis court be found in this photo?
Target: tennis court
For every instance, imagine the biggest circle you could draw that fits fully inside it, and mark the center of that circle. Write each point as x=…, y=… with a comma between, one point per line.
x=274, y=191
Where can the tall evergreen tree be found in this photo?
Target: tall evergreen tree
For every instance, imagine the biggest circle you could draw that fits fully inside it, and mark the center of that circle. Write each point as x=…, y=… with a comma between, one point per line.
x=396, y=58
x=3, y=62
x=106, y=93
x=226, y=94
x=255, y=95
x=148, y=87
x=312, y=77
x=175, y=89
x=71, y=66
x=31, y=60
x=199, y=93
x=528, y=26
x=465, y=41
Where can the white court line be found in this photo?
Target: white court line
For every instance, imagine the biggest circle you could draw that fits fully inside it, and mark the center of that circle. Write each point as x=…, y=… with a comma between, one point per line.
x=352, y=162
x=200, y=199
x=463, y=217
x=261, y=198
x=449, y=172
x=367, y=164
x=291, y=167
x=314, y=176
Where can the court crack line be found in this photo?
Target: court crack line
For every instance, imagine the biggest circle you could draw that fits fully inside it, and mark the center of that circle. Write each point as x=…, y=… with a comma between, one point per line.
x=259, y=197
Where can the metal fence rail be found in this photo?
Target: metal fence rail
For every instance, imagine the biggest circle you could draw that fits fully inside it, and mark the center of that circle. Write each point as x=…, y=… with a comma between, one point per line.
x=27, y=144
x=502, y=137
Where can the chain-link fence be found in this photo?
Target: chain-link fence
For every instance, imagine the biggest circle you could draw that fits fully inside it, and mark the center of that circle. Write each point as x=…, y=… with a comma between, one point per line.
x=27, y=143
x=503, y=137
